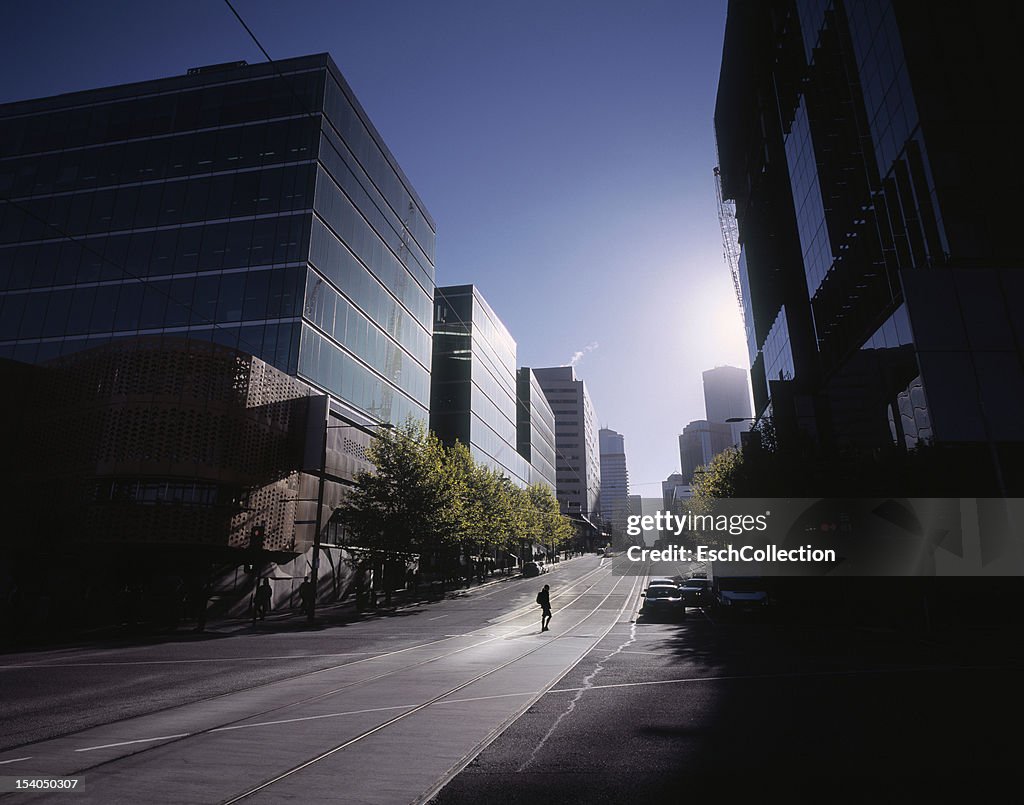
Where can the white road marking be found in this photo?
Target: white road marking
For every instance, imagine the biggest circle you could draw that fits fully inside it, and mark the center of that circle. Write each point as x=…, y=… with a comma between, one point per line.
x=437, y=618
x=184, y=662
x=486, y=698
x=15, y=760
x=312, y=718
x=792, y=675
x=138, y=741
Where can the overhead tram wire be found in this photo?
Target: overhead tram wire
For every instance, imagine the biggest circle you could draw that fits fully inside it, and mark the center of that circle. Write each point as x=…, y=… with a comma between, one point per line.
x=146, y=281
x=248, y=30
x=403, y=235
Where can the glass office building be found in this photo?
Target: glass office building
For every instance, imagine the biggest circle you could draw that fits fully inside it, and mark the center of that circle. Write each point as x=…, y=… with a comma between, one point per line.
x=869, y=149
x=252, y=206
x=473, y=394
x=536, y=429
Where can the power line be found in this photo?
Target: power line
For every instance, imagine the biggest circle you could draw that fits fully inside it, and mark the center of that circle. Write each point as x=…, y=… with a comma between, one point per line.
x=251, y=34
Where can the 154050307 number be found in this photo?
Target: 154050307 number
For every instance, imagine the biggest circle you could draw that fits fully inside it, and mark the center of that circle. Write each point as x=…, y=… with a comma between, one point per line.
x=38, y=783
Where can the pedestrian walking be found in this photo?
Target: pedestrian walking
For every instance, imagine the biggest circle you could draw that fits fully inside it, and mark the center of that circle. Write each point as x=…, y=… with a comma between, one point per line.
x=544, y=599
x=306, y=596
x=261, y=601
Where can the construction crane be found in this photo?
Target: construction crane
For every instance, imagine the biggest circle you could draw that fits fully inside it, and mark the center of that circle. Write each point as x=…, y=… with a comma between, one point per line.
x=730, y=235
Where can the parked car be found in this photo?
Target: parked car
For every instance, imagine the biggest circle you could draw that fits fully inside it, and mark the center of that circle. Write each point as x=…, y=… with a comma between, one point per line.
x=663, y=601
x=531, y=569
x=695, y=592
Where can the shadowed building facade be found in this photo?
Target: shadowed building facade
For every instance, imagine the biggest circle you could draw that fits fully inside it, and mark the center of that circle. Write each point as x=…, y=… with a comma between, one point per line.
x=869, y=149
x=536, y=429
x=253, y=209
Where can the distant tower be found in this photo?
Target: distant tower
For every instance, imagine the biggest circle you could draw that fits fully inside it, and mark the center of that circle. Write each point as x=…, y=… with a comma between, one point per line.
x=727, y=396
x=578, y=460
x=614, y=482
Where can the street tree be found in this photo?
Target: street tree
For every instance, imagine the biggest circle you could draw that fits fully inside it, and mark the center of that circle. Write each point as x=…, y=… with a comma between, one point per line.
x=411, y=502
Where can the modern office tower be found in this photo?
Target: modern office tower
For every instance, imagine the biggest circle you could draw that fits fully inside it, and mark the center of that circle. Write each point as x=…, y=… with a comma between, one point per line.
x=636, y=504
x=253, y=208
x=869, y=149
x=578, y=460
x=614, y=481
x=474, y=396
x=700, y=442
x=727, y=396
x=669, y=489
x=535, y=429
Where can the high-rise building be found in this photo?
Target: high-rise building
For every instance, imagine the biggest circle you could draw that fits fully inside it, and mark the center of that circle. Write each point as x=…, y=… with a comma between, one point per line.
x=700, y=442
x=671, y=489
x=636, y=504
x=614, y=482
x=727, y=396
x=251, y=207
x=869, y=149
x=577, y=459
x=535, y=429
x=474, y=397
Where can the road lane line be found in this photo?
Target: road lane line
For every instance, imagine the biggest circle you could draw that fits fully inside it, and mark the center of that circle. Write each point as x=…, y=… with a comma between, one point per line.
x=137, y=741
x=15, y=760
x=312, y=718
x=792, y=675
x=185, y=662
x=437, y=618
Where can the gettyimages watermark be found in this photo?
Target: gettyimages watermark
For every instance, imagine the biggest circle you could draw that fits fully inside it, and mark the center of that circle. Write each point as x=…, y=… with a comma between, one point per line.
x=826, y=537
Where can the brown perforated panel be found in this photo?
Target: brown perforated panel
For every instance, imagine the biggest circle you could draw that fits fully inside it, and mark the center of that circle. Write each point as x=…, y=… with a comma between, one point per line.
x=168, y=440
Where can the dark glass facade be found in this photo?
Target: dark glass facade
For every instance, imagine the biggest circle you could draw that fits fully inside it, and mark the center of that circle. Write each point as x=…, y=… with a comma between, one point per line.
x=473, y=393
x=252, y=206
x=869, y=150
x=536, y=429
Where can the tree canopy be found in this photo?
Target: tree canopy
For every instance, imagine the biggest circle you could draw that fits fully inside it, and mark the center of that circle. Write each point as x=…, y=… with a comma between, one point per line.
x=426, y=498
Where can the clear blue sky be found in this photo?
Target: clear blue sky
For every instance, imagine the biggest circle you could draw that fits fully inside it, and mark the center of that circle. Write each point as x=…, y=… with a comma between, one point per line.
x=564, y=147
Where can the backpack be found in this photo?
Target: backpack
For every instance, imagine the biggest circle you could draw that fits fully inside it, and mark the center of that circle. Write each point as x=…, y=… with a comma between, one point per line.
x=540, y=597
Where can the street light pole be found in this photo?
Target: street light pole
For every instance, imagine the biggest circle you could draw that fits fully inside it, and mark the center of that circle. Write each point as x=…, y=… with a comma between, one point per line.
x=314, y=565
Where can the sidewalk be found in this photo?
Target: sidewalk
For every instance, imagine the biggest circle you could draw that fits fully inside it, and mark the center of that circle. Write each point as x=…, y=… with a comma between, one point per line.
x=328, y=615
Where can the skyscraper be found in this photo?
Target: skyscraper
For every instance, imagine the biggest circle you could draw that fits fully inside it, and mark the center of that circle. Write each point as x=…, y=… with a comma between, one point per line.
x=700, y=442
x=727, y=396
x=870, y=152
x=578, y=461
x=614, y=482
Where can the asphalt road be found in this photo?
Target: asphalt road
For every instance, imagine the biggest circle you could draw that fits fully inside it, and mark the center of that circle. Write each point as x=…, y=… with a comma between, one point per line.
x=757, y=710
x=465, y=700
x=390, y=704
